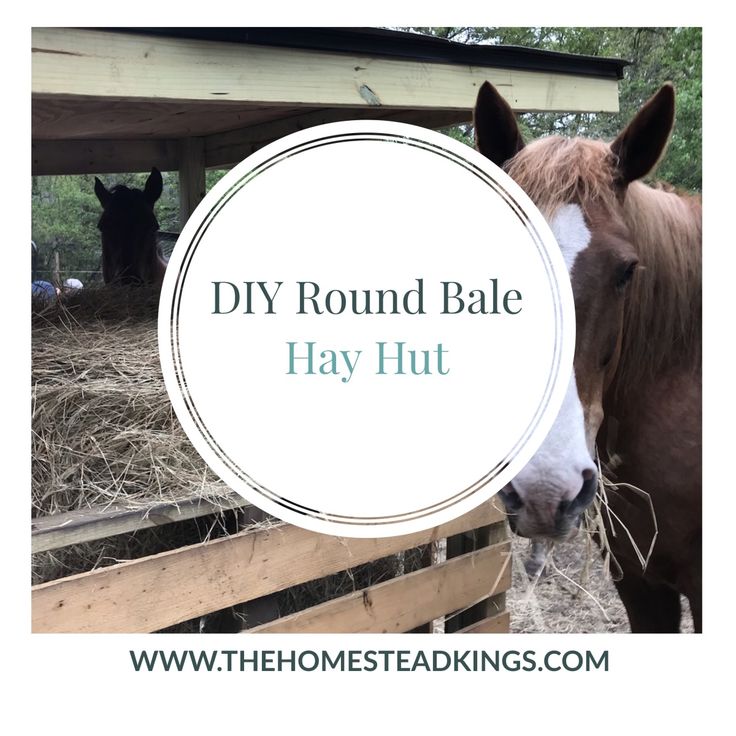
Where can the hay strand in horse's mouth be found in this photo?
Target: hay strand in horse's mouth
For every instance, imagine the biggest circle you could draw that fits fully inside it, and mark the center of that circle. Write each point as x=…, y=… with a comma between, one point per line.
x=594, y=523
x=599, y=521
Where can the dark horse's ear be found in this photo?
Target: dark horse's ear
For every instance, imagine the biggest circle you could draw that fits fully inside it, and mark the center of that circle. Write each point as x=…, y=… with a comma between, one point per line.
x=154, y=186
x=642, y=143
x=497, y=134
x=102, y=194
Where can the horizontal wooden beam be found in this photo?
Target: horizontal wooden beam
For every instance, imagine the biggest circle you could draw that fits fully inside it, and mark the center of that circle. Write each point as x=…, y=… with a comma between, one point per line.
x=407, y=601
x=124, y=65
x=102, y=156
x=226, y=149
x=89, y=525
x=161, y=590
x=55, y=157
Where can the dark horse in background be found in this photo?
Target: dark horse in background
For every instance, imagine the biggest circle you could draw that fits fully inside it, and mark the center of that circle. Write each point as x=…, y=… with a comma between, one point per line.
x=130, y=254
x=634, y=256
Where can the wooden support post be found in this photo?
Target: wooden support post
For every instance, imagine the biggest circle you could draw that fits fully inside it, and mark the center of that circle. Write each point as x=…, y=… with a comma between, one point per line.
x=192, y=186
x=56, y=271
x=426, y=561
x=463, y=543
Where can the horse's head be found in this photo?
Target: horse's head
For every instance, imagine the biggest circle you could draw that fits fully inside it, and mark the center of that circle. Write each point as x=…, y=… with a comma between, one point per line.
x=581, y=187
x=128, y=226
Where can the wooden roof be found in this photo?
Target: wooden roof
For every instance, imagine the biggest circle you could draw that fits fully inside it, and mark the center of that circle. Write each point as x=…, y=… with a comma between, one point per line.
x=113, y=100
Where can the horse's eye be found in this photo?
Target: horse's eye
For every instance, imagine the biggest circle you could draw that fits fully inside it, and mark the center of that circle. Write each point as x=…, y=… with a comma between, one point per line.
x=624, y=275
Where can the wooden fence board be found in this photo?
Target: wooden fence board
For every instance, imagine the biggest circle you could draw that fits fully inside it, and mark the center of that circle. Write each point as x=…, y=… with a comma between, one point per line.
x=407, y=601
x=161, y=590
x=88, y=525
x=497, y=624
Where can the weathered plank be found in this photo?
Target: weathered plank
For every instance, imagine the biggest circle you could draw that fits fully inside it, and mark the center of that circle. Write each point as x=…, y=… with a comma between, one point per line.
x=88, y=525
x=65, y=117
x=496, y=624
x=102, y=156
x=405, y=602
x=124, y=65
x=154, y=592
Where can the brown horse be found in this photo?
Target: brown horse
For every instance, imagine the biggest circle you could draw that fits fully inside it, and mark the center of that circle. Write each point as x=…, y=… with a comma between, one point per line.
x=128, y=226
x=634, y=256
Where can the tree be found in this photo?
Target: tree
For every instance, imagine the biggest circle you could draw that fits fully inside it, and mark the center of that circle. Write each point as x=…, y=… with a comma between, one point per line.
x=657, y=55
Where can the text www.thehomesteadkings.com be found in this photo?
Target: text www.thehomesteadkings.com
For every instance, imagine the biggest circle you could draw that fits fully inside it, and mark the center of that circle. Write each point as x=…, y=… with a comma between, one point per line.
x=369, y=660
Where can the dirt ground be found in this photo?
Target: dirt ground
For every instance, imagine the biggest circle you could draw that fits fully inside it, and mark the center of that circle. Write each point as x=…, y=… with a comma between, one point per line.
x=558, y=605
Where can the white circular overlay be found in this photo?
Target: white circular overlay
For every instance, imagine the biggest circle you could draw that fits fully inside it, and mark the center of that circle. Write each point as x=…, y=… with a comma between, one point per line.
x=366, y=329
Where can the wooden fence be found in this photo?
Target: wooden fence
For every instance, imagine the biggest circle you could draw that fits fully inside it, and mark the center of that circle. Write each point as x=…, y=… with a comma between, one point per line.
x=155, y=592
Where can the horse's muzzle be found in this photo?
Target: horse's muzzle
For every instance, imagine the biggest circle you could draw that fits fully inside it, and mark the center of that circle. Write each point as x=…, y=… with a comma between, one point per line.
x=531, y=518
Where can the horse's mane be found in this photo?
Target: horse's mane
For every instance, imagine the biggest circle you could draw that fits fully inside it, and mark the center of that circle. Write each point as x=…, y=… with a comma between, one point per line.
x=662, y=318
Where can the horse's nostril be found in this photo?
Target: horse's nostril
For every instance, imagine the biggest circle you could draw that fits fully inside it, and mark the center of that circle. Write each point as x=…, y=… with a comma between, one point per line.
x=511, y=499
x=588, y=474
x=570, y=511
x=586, y=495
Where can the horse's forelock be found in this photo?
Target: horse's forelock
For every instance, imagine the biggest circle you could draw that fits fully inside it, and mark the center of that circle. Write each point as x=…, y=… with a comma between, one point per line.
x=555, y=171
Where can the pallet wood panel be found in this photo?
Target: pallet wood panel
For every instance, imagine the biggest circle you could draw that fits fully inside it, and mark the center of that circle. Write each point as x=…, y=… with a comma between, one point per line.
x=405, y=602
x=496, y=624
x=89, y=525
x=158, y=591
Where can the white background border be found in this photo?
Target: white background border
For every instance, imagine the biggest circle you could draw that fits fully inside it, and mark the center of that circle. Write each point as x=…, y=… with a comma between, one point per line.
x=657, y=684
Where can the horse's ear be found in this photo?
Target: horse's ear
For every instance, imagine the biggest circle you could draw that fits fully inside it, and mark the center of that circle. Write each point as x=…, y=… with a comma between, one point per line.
x=497, y=134
x=102, y=194
x=639, y=147
x=154, y=185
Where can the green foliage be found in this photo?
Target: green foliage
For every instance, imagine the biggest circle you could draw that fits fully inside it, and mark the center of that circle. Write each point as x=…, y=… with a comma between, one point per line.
x=64, y=216
x=657, y=55
x=212, y=176
x=65, y=212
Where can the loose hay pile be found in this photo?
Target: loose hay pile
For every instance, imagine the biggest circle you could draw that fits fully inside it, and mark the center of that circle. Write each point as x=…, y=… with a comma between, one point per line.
x=104, y=433
x=104, y=430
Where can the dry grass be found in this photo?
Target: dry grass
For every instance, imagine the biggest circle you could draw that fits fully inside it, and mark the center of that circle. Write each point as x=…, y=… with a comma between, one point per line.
x=103, y=427
x=574, y=591
x=556, y=604
x=104, y=433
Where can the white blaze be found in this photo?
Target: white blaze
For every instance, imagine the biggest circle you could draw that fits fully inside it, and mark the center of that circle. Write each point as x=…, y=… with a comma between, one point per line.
x=571, y=232
x=555, y=472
